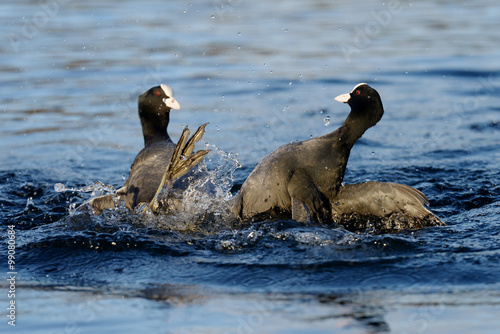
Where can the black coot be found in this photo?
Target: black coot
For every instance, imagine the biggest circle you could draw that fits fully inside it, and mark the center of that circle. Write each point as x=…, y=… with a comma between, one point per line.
x=302, y=180
x=149, y=165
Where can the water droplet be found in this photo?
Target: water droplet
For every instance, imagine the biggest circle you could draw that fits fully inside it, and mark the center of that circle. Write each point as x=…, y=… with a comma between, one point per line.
x=290, y=83
x=327, y=120
x=239, y=47
x=30, y=202
x=59, y=187
x=212, y=16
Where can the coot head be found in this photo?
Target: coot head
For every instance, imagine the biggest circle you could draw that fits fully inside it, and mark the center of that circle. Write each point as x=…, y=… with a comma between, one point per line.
x=154, y=112
x=364, y=102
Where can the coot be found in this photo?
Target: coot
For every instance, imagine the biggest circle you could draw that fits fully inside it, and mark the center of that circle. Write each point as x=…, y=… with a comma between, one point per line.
x=302, y=180
x=149, y=165
x=308, y=174
x=381, y=207
x=160, y=161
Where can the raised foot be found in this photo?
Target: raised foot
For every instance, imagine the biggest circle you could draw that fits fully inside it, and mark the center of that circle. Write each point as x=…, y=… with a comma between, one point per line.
x=181, y=162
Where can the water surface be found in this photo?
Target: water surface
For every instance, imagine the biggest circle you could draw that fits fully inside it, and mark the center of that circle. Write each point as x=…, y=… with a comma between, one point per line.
x=263, y=74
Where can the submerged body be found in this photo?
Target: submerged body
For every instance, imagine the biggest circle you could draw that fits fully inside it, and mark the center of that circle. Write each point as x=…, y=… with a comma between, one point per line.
x=380, y=207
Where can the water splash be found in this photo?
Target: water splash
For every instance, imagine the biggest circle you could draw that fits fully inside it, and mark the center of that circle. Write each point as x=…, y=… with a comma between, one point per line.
x=97, y=188
x=206, y=201
x=200, y=200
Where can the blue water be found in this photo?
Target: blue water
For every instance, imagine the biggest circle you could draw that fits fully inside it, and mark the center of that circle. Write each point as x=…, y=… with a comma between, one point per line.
x=263, y=74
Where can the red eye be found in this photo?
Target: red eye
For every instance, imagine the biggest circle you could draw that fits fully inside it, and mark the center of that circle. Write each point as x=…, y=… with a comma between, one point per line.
x=358, y=92
x=157, y=93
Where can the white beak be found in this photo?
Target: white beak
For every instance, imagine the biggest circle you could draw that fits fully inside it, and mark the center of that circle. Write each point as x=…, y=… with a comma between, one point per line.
x=171, y=103
x=343, y=98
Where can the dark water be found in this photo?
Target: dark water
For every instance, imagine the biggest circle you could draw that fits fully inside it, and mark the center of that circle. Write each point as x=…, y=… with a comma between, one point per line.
x=262, y=74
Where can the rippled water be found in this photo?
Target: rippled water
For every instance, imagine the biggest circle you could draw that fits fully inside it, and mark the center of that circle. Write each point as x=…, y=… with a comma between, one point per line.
x=263, y=74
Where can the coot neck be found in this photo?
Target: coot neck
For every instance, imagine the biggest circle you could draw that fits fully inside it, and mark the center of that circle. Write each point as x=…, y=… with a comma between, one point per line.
x=155, y=130
x=354, y=127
